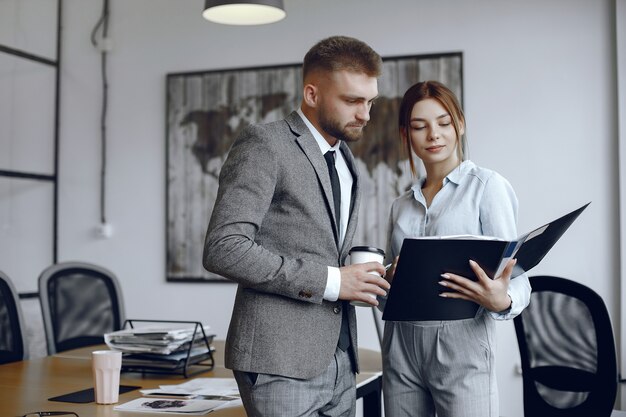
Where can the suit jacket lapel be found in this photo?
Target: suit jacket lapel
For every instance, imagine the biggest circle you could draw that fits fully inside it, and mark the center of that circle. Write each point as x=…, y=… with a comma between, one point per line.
x=312, y=151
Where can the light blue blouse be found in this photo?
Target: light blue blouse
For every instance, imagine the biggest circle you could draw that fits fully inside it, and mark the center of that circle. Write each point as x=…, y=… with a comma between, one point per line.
x=473, y=200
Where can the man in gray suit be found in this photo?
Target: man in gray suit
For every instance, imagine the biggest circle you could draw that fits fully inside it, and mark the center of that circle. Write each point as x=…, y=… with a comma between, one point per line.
x=282, y=225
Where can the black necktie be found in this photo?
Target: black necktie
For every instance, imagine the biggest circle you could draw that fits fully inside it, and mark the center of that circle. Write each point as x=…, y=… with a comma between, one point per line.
x=344, y=334
x=334, y=182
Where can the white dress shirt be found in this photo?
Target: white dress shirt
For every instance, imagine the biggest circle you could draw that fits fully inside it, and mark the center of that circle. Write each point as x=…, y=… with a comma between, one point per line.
x=333, y=283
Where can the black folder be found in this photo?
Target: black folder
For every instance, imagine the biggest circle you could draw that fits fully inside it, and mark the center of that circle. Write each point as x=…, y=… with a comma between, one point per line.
x=87, y=395
x=414, y=294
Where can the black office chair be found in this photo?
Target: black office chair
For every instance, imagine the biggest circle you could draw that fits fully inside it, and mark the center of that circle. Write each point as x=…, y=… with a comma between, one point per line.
x=13, y=345
x=567, y=349
x=79, y=303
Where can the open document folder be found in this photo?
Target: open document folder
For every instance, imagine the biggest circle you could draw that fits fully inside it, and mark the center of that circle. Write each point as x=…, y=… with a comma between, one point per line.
x=414, y=294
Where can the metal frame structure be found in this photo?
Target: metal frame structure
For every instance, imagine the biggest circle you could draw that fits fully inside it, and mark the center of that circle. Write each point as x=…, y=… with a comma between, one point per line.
x=53, y=178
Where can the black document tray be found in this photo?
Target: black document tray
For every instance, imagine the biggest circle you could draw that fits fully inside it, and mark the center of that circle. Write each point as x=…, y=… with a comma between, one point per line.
x=196, y=358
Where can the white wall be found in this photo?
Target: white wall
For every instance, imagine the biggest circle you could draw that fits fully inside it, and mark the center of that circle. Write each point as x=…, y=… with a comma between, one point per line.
x=539, y=98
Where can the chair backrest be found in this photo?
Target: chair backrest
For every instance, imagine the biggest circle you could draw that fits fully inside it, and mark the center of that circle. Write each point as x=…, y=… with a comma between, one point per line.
x=567, y=350
x=13, y=345
x=79, y=303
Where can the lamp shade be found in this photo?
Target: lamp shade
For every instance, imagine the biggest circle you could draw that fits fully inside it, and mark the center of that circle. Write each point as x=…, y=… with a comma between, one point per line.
x=244, y=12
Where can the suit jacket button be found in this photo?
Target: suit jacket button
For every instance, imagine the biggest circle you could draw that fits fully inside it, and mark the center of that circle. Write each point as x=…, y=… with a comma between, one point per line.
x=336, y=310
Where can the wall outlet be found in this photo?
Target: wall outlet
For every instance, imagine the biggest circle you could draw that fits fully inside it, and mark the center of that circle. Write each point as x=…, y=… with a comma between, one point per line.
x=105, y=230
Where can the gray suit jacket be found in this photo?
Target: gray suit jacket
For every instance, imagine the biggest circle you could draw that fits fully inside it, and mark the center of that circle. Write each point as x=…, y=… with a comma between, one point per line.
x=273, y=232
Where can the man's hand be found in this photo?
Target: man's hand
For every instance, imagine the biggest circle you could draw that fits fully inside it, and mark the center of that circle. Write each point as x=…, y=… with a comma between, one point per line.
x=357, y=284
x=489, y=293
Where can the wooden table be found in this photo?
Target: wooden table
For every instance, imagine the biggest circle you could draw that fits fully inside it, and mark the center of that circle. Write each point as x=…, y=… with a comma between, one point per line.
x=26, y=386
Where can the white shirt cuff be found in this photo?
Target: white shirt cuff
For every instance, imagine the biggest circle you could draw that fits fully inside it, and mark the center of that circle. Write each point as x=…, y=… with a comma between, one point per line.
x=510, y=312
x=333, y=284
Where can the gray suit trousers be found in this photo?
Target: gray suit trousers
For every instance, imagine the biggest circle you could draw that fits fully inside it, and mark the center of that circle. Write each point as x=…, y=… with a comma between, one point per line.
x=330, y=394
x=442, y=367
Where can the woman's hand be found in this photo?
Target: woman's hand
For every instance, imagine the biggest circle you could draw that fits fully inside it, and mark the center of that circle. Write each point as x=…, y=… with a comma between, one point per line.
x=391, y=271
x=489, y=293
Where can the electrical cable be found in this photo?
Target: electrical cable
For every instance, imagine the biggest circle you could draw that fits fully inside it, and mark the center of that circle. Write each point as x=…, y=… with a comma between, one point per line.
x=103, y=25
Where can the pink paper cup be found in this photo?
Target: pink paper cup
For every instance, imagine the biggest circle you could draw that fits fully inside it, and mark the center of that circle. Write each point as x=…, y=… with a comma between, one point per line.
x=106, y=366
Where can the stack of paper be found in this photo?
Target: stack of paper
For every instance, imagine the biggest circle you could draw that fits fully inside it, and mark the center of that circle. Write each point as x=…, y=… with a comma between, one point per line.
x=161, y=339
x=172, y=361
x=162, y=346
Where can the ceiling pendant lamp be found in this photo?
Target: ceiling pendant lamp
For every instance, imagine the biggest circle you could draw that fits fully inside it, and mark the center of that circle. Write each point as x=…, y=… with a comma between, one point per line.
x=244, y=12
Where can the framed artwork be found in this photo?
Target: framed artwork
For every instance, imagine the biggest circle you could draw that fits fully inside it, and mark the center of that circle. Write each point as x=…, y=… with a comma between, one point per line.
x=206, y=110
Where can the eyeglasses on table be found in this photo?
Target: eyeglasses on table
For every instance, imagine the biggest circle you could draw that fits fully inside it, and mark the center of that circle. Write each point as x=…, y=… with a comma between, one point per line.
x=50, y=413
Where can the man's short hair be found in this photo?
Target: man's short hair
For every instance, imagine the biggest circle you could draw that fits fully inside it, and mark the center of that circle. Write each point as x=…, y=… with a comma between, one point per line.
x=342, y=53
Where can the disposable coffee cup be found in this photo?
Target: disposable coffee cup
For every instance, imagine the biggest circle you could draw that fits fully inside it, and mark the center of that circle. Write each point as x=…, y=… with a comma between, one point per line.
x=363, y=254
x=106, y=366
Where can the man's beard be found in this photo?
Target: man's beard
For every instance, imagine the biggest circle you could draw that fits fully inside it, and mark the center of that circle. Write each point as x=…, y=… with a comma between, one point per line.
x=333, y=127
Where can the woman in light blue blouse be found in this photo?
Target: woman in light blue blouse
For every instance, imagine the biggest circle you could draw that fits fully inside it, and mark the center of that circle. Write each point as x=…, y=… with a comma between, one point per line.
x=448, y=367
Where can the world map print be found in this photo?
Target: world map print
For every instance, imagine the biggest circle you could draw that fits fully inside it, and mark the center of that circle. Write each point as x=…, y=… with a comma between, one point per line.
x=207, y=110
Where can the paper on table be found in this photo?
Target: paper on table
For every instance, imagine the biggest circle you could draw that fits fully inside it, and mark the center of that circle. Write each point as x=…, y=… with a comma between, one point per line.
x=217, y=390
x=163, y=405
x=205, y=386
x=173, y=393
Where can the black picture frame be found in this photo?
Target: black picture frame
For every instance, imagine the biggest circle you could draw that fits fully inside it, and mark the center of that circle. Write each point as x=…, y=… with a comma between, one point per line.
x=207, y=109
